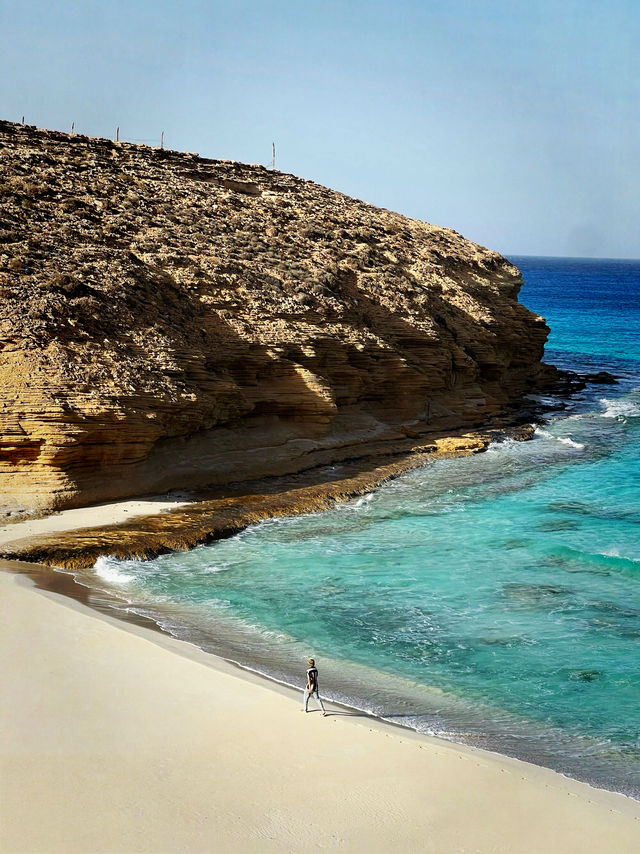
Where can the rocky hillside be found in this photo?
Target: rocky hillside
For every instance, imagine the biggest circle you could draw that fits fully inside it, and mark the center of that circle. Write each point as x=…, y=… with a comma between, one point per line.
x=171, y=321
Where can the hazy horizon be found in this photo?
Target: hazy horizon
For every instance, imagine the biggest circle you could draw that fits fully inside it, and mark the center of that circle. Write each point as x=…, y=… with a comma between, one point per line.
x=515, y=124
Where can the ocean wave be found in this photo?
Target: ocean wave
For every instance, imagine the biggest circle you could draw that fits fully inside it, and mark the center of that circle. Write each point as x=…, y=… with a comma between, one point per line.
x=501, y=445
x=616, y=553
x=109, y=569
x=565, y=440
x=276, y=523
x=363, y=500
x=212, y=570
x=620, y=408
x=611, y=558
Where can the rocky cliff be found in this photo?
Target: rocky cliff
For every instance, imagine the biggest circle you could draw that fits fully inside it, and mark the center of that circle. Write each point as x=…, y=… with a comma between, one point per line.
x=173, y=321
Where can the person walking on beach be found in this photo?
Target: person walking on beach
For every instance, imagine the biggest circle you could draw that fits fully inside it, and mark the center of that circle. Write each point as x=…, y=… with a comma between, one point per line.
x=312, y=687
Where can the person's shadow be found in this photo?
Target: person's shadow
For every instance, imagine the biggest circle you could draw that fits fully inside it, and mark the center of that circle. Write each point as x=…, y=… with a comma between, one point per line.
x=346, y=714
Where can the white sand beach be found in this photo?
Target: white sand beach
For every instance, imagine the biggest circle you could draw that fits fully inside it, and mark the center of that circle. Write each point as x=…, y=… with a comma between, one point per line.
x=95, y=516
x=116, y=738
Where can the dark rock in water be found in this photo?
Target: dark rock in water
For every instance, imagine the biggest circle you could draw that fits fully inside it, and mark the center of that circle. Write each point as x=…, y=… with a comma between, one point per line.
x=558, y=525
x=579, y=507
x=585, y=675
x=515, y=543
x=537, y=411
x=600, y=378
x=555, y=560
x=564, y=386
x=569, y=383
x=629, y=632
x=565, y=383
x=615, y=609
x=510, y=641
x=534, y=594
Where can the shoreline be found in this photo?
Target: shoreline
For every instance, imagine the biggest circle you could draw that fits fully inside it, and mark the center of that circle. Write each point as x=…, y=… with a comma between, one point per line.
x=407, y=784
x=77, y=527
x=83, y=520
x=68, y=585
x=76, y=538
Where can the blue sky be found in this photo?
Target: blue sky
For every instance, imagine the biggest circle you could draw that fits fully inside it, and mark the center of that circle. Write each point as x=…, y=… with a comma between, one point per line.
x=515, y=123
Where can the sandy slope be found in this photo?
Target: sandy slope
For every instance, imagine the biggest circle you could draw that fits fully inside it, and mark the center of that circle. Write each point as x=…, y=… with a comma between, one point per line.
x=115, y=738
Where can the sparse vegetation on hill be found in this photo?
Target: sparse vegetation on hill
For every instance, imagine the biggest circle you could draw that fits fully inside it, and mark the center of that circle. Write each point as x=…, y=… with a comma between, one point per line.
x=169, y=320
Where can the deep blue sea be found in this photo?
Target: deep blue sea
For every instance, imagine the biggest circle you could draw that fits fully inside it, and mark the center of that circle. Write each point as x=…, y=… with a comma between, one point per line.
x=494, y=599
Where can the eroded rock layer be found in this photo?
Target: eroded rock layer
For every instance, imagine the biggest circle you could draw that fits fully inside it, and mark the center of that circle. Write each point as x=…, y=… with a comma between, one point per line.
x=174, y=321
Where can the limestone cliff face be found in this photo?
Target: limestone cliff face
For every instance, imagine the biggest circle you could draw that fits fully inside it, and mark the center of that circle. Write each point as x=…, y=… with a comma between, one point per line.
x=171, y=321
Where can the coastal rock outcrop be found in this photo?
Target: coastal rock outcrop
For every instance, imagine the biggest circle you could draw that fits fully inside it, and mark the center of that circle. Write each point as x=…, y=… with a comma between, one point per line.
x=174, y=321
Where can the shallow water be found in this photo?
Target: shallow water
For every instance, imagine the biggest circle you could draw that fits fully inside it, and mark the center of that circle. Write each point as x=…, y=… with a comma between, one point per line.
x=494, y=599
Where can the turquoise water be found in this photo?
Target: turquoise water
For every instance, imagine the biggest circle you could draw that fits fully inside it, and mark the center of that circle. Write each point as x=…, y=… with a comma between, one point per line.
x=493, y=599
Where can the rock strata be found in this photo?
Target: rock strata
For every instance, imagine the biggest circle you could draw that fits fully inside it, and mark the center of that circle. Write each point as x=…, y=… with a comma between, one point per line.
x=216, y=514
x=174, y=321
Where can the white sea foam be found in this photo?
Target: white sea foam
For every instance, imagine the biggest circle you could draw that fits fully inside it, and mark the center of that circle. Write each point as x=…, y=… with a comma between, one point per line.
x=565, y=440
x=501, y=446
x=109, y=570
x=363, y=500
x=210, y=570
x=613, y=552
x=619, y=408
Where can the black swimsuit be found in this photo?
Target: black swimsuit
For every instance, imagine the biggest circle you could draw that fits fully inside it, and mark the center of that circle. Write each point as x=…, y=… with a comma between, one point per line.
x=312, y=677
